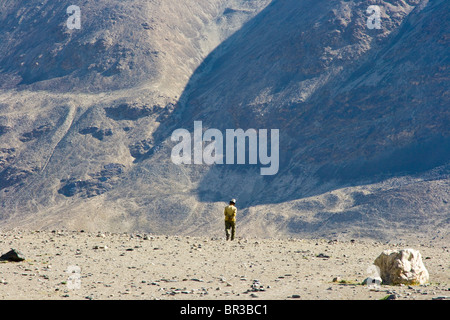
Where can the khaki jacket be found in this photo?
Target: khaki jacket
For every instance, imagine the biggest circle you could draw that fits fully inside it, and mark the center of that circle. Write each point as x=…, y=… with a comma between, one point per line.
x=230, y=213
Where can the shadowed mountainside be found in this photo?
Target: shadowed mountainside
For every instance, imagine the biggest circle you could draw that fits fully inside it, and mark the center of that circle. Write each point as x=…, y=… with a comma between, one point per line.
x=363, y=115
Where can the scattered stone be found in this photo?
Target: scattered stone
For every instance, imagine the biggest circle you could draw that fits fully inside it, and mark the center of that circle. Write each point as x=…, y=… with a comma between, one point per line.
x=12, y=255
x=402, y=267
x=321, y=255
x=337, y=279
x=256, y=286
x=441, y=298
x=295, y=296
x=168, y=280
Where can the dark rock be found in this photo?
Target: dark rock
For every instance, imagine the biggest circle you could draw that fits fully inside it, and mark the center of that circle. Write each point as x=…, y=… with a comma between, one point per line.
x=97, y=132
x=110, y=170
x=127, y=111
x=13, y=175
x=12, y=255
x=7, y=156
x=140, y=148
x=441, y=298
x=87, y=188
x=98, y=185
x=166, y=112
x=36, y=133
x=4, y=129
x=146, y=26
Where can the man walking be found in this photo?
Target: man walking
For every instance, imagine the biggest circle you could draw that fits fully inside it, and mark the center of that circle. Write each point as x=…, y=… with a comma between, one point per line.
x=230, y=219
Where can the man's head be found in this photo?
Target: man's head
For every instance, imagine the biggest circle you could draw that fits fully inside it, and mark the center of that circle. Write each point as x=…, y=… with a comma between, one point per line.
x=233, y=202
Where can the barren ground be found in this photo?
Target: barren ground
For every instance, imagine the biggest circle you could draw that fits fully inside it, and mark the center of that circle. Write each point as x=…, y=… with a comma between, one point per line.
x=138, y=266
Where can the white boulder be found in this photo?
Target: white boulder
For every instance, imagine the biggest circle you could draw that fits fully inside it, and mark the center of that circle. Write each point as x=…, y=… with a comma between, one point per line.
x=402, y=267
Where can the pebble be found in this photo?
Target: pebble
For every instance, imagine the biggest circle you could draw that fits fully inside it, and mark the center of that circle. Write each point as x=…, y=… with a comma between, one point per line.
x=441, y=298
x=337, y=279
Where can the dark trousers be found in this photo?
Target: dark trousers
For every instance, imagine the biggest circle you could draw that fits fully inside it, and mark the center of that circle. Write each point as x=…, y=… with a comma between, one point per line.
x=230, y=225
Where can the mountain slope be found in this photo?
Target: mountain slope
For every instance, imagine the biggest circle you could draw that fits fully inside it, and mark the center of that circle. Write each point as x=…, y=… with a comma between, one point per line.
x=363, y=116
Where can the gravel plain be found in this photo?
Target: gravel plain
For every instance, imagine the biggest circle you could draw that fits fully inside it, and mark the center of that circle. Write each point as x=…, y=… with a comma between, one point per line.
x=125, y=266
